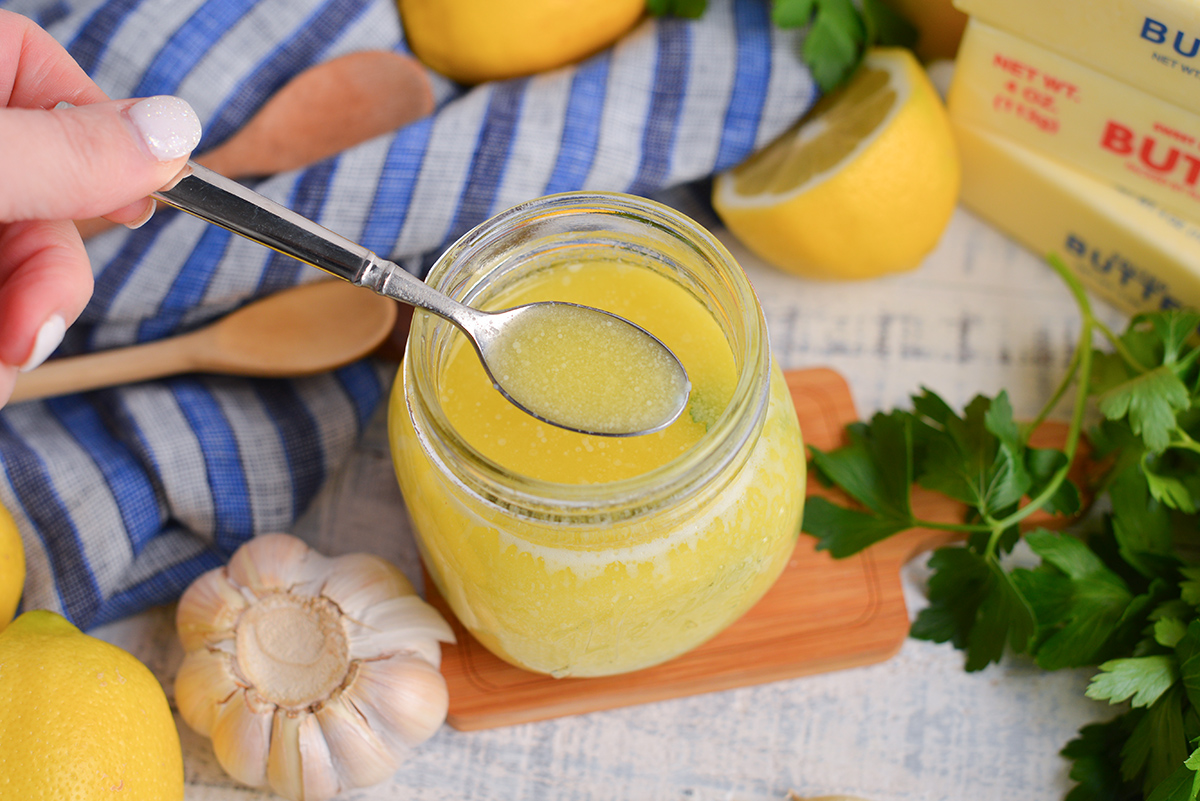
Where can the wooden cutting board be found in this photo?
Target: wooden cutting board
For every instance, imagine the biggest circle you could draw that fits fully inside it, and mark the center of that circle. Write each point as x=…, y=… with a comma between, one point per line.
x=822, y=614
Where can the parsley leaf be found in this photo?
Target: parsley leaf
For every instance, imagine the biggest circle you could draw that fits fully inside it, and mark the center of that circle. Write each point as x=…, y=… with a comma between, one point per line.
x=1141, y=525
x=887, y=27
x=792, y=13
x=691, y=9
x=834, y=45
x=976, y=458
x=1151, y=401
x=1156, y=746
x=1096, y=758
x=1189, y=588
x=1174, y=476
x=956, y=590
x=974, y=603
x=1168, y=631
x=1187, y=651
x=1142, y=679
x=844, y=532
x=1041, y=464
x=1005, y=614
x=1143, y=381
x=1173, y=328
x=875, y=469
x=1077, y=600
x=1182, y=785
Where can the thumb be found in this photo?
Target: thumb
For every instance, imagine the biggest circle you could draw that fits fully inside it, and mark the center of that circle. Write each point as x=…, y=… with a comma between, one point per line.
x=88, y=161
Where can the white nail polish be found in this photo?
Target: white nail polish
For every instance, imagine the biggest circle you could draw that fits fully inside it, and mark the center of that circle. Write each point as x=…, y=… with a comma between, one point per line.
x=49, y=337
x=168, y=126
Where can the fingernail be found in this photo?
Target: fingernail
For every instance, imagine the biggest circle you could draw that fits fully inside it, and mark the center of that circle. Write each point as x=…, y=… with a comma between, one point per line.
x=144, y=217
x=168, y=126
x=49, y=337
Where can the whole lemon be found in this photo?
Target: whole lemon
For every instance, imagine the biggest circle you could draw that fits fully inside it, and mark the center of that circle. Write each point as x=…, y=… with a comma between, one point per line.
x=12, y=567
x=472, y=41
x=81, y=719
x=864, y=185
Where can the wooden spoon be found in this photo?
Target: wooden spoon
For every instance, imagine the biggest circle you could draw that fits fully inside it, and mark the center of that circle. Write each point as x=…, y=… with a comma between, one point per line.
x=322, y=111
x=300, y=331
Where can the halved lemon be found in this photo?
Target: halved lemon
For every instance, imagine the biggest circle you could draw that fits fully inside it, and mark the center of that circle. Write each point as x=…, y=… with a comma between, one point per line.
x=863, y=186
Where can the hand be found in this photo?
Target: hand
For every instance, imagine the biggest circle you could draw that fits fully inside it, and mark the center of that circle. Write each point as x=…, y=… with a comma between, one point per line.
x=102, y=158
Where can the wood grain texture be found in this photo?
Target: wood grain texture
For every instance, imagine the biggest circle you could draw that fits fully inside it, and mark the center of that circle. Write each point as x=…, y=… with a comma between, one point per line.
x=822, y=614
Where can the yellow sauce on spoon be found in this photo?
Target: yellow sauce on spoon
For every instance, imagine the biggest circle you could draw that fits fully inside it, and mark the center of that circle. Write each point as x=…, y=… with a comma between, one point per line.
x=587, y=371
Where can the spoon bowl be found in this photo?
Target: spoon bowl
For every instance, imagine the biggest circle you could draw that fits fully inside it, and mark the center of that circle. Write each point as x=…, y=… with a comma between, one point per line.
x=582, y=368
x=603, y=406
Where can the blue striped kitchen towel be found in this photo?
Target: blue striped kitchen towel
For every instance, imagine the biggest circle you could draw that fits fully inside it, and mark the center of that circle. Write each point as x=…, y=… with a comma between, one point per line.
x=123, y=496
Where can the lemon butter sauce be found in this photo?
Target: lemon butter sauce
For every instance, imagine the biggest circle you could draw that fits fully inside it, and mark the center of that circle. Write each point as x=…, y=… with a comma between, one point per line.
x=587, y=371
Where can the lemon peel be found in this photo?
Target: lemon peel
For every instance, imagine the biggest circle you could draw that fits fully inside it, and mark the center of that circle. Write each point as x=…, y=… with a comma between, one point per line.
x=81, y=719
x=12, y=567
x=473, y=41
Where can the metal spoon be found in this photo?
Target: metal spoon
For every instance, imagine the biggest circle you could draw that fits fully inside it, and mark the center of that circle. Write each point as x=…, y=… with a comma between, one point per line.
x=219, y=200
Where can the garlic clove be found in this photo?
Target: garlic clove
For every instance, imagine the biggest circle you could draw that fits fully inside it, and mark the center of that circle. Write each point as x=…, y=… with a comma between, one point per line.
x=241, y=737
x=274, y=562
x=406, y=624
x=208, y=610
x=204, y=682
x=360, y=755
x=404, y=696
x=359, y=580
x=285, y=770
x=299, y=766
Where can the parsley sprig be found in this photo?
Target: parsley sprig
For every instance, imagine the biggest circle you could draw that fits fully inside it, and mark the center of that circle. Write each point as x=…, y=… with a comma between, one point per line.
x=839, y=31
x=1118, y=591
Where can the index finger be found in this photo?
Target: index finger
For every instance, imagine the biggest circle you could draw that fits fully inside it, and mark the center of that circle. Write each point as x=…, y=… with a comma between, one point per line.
x=36, y=71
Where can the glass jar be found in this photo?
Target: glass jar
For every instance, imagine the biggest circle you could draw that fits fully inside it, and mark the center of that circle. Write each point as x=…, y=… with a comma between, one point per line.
x=562, y=563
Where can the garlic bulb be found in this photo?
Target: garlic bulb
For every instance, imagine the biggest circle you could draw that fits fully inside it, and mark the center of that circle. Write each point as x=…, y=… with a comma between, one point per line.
x=311, y=675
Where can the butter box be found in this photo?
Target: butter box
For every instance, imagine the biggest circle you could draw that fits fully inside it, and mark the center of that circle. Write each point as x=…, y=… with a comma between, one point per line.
x=1153, y=45
x=1125, y=249
x=1062, y=109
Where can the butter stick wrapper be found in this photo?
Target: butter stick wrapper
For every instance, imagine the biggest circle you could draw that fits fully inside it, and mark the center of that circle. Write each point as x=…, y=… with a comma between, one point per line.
x=1067, y=111
x=1152, y=45
x=1125, y=249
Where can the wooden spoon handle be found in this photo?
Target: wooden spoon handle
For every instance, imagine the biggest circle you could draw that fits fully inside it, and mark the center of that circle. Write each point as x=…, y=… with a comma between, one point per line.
x=107, y=368
x=327, y=108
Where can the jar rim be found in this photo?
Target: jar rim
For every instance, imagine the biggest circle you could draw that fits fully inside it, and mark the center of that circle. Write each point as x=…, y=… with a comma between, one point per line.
x=725, y=442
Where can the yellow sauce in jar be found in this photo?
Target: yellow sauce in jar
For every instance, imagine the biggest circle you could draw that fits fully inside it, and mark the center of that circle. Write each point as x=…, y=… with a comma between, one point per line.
x=607, y=598
x=530, y=447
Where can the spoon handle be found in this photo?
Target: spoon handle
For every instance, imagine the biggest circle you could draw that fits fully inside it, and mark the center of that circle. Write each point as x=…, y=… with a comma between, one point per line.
x=213, y=197
x=108, y=368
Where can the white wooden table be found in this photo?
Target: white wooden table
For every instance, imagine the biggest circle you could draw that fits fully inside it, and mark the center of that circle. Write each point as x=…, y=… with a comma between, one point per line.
x=978, y=316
